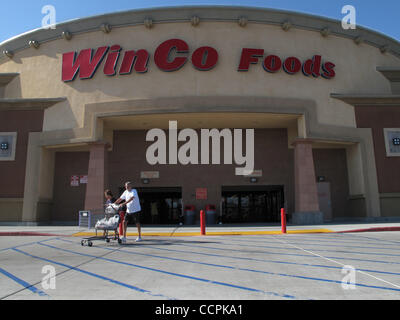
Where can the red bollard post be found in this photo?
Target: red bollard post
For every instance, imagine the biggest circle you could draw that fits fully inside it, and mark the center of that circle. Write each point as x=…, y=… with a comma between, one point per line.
x=121, y=223
x=283, y=220
x=203, y=222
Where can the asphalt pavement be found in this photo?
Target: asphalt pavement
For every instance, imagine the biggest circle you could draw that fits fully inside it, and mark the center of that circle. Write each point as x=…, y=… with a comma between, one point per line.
x=296, y=266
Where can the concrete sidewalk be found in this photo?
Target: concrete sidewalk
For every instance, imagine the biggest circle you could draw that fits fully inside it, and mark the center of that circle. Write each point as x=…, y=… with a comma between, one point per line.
x=211, y=230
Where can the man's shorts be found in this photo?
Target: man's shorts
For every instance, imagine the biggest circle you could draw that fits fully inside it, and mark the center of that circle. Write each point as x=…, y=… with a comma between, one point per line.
x=133, y=217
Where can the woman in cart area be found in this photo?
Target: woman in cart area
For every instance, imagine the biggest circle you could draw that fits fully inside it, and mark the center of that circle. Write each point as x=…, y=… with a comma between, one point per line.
x=110, y=199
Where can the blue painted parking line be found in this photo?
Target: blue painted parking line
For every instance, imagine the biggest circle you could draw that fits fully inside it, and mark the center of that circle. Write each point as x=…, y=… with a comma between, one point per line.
x=255, y=259
x=287, y=254
x=320, y=250
x=233, y=268
x=323, y=238
x=396, y=243
x=26, y=244
x=355, y=237
x=253, y=251
x=317, y=243
x=309, y=244
x=347, y=240
x=180, y=275
x=23, y=283
x=291, y=241
x=273, y=261
x=126, y=285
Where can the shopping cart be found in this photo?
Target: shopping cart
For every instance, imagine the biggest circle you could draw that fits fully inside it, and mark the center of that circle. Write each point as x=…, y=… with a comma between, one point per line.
x=108, y=224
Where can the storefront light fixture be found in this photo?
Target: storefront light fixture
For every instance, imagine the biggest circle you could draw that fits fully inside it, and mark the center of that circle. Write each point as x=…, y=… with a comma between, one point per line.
x=242, y=21
x=66, y=35
x=148, y=23
x=325, y=32
x=195, y=20
x=384, y=48
x=145, y=181
x=286, y=26
x=8, y=53
x=34, y=44
x=106, y=28
x=396, y=141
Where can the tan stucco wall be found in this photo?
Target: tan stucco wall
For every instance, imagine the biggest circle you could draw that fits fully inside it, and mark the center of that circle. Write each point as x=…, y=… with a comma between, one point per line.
x=390, y=204
x=354, y=163
x=355, y=69
x=10, y=209
x=39, y=176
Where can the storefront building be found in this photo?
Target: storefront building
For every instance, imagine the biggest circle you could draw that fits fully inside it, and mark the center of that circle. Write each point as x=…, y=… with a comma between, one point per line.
x=77, y=102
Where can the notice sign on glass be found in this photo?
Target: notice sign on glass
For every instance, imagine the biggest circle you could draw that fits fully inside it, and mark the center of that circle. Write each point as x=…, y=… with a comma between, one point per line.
x=83, y=179
x=75, y=181
x=201, y=194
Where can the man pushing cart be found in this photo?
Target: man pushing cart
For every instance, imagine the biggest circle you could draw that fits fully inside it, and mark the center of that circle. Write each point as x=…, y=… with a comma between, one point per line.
x=133, y=209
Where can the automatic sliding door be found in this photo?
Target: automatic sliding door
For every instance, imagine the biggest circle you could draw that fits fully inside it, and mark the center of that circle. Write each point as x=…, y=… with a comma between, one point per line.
x=252, y=204
x=161, y=205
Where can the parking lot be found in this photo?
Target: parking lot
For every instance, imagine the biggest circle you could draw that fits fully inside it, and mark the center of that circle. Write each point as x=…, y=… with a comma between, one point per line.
x=290, y=267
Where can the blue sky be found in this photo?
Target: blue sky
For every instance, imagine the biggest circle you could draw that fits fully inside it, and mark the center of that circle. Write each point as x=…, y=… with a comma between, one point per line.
x=19, y=16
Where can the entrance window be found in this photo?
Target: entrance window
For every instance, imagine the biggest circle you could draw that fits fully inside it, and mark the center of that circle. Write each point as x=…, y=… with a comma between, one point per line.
x=232, y=211
x=252, y=204
x=161, y=205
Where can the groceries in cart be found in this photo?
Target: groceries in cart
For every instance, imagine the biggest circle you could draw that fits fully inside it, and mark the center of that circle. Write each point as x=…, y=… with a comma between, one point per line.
x=111, y=219
x=110, y=222
x=112, y=209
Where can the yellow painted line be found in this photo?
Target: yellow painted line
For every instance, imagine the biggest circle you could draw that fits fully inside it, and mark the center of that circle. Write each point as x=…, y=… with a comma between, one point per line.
x=221, y=233
x=311, y=231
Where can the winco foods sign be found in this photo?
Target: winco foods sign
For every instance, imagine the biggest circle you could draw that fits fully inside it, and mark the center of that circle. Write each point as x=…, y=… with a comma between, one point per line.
x=171, y=55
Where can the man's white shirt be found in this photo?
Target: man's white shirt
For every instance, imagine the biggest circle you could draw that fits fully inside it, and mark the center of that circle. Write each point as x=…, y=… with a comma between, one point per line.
x=134, y=205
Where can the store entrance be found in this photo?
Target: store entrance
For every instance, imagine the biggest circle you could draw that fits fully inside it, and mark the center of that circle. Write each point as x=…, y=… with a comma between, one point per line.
x=160, y=205
x=247, y=204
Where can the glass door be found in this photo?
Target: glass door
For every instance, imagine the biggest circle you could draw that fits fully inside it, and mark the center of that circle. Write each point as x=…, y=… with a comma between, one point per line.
x=247, y=204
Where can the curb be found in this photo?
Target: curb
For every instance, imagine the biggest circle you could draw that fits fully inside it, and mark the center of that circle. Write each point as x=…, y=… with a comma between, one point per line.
x=195, y=234
x=379, y=229
x=226, y=233
x=31, y=234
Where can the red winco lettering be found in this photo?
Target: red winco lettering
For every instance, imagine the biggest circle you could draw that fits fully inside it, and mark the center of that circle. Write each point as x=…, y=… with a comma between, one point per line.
x=164, y=52
x=171, y=55
x=86, y=63
x=291, y=65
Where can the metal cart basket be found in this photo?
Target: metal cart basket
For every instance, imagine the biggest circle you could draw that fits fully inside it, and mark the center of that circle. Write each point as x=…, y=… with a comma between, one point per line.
x=109, y=224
